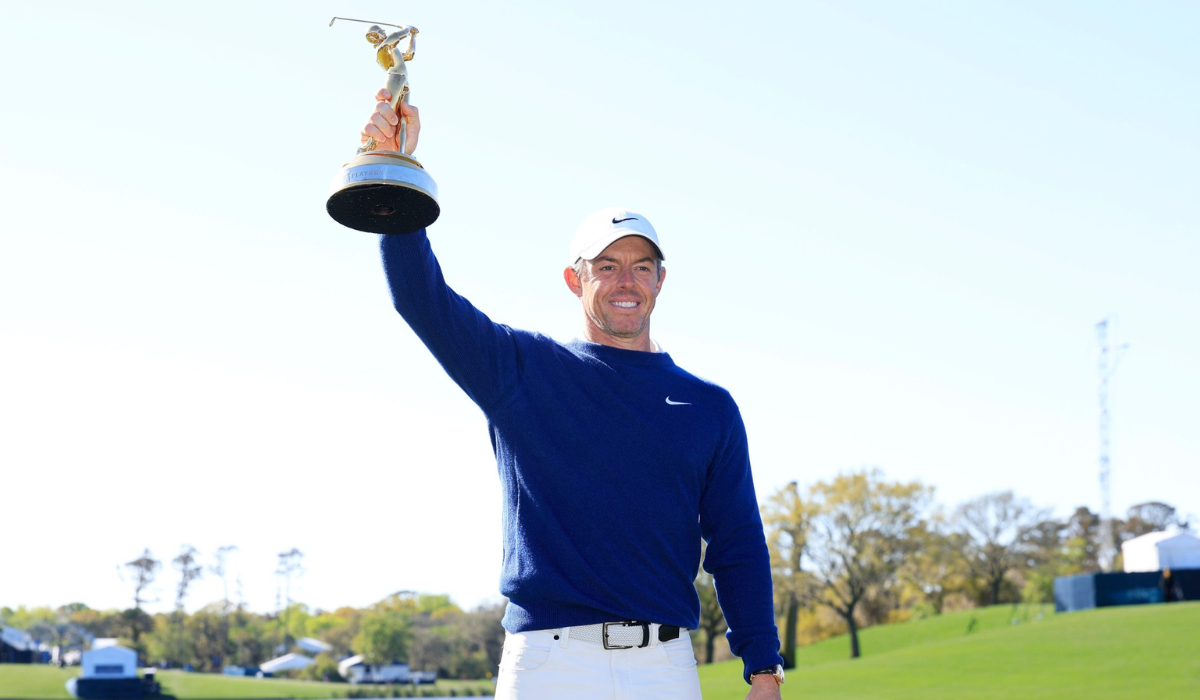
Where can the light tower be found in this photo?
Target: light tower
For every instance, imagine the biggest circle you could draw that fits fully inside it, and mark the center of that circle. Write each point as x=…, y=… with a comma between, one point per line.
x=1108, y=365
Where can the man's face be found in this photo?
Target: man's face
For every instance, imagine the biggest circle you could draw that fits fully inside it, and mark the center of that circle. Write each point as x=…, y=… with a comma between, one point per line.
x=618, y=288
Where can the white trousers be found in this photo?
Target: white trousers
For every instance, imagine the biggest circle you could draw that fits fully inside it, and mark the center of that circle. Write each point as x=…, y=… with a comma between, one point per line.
x=536, y=666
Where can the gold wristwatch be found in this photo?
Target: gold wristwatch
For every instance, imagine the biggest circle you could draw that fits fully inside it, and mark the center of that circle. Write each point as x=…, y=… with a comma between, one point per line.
x=775, y=672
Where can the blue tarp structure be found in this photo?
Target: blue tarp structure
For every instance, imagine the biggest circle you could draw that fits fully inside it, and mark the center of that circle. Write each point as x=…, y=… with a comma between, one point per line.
x=1087, y=591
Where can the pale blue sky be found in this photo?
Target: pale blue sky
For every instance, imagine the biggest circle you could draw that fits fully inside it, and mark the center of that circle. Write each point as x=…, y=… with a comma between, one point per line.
x=890, y=228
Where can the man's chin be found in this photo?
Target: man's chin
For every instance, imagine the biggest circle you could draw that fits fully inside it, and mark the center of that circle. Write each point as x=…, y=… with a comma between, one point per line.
x=625, y=333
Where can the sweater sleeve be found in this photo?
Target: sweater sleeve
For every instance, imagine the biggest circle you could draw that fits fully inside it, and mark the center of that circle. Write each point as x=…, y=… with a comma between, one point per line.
x=737, y=554
x=480, y=356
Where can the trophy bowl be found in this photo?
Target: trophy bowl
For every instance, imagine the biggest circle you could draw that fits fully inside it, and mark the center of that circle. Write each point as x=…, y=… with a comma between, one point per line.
x=383, y=192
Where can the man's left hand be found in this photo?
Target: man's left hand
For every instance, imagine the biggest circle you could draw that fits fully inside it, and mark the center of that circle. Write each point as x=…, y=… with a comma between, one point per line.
x=763, y=687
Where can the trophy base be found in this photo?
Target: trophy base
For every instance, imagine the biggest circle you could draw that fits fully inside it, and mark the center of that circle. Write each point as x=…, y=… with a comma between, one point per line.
x=383, y=192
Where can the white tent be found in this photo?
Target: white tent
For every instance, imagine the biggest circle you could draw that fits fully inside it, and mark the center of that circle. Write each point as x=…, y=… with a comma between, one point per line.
x=17, y=639
x=109, y=662
x=287, y=662
x=313, y=646
x=1161, y=550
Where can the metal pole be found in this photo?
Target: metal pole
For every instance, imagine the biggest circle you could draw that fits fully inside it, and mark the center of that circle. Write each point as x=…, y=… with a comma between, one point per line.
x=1106, y=552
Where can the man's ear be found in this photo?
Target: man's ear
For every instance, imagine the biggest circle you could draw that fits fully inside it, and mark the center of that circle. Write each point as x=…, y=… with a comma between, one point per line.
x=662, y=275
x=573, y=282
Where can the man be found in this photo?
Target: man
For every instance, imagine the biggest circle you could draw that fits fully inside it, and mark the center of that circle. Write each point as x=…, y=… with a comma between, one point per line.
x=613, y=462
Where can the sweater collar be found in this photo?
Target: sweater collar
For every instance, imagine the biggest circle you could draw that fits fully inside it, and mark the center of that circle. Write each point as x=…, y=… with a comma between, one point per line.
x=608, y=354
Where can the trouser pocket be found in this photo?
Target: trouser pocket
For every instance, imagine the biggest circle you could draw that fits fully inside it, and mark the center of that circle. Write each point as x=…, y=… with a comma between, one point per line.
x=679, y=652
x=526, y=652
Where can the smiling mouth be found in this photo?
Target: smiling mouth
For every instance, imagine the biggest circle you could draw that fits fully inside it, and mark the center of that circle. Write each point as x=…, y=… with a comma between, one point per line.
x=625, y=304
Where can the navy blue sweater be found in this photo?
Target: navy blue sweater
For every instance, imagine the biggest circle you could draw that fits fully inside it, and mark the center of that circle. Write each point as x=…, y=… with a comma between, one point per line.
x=608, y=486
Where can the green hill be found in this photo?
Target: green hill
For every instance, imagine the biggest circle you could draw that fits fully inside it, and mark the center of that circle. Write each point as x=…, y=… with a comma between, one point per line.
x=1134, y=653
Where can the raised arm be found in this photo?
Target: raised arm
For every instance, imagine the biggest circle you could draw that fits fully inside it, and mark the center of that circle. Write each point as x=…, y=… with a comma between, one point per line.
x=479, y=355
x=482, y=357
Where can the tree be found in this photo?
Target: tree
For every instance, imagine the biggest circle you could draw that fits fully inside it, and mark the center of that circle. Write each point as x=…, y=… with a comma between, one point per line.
x=337, y=628
x=1152, y=516
x=207, y=631
x=189, y=571
x=484, y=641
x=786, y=517
x=859, y=536
x=221, y=571
x=935, y=569
x=288, y=567
x=1080, y=540
x=712, y=621
x=383, y=636
x=143, y=571
x=58, y=629
x=997, y=529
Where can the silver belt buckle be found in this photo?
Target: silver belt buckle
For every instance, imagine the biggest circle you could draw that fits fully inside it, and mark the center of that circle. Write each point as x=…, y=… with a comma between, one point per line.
x=628, y=623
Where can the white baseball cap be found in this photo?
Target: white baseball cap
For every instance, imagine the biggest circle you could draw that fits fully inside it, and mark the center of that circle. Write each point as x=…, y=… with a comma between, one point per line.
x=601, y=228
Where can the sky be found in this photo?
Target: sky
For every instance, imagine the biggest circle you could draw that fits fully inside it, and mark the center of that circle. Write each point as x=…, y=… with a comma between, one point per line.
x=891, y=229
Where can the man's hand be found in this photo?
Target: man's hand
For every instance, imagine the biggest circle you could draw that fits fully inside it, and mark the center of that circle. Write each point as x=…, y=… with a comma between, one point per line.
x=763, y=687
x=383, y=125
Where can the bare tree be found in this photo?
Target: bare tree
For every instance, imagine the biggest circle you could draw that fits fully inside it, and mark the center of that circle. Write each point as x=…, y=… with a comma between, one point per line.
x=189, y=570
x=860, y=534
x=143, y=571
x=787, y=517
x=289, y=566
x=220, y=570
x=998, y=530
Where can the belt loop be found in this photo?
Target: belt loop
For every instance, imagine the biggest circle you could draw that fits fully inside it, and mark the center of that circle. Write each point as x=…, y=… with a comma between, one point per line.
x=564, y=635
x=654, y=634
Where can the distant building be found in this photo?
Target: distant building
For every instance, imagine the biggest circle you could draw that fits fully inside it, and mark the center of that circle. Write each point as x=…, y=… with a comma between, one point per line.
x=287, y=662
x=355, y=670
x=16, y=646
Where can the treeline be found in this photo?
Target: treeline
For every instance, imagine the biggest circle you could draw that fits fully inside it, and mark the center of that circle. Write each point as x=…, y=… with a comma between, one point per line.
x=848, y=553
x=430, y=632
x=860, y=550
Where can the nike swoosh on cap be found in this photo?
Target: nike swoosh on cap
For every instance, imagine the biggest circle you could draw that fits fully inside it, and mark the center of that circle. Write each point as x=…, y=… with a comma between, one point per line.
x=617, y=221
x=677, y=403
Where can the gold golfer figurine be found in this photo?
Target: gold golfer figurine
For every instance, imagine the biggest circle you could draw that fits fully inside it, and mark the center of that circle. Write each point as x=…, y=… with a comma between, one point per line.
x=389, y=55
x=386, y=191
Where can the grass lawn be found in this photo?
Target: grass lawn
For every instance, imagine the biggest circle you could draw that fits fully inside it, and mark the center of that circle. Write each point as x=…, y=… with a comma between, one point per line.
x=1135, y=653
x=35, y=681
x=38, y=682
x=1130, y=653
x=211, y=686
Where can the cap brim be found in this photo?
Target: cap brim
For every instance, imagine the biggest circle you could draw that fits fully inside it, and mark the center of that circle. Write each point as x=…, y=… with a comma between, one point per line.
x=598, y=247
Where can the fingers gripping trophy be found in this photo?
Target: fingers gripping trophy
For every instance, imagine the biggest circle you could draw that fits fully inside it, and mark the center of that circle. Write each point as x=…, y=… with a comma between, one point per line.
x=385, y=191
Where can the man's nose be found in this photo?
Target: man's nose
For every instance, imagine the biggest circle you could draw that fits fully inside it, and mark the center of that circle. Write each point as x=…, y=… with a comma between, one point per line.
x=626, y=279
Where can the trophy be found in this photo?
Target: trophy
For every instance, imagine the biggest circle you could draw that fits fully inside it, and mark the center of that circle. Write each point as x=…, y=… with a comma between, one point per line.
x=386, y=191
